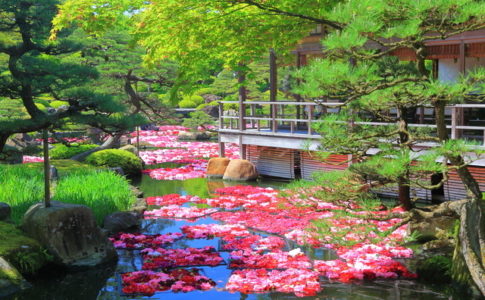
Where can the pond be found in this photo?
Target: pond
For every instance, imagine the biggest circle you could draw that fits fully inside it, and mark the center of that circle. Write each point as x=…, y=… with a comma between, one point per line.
x=105, y=282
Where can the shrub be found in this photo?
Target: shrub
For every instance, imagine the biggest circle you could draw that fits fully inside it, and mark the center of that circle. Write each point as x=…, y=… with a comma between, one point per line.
x=205, y=91
x=21, y=187
x=41, y=106
x=65, y=152
x=188, y=100
x=198, y=118
x=57, y=104
x=103, y=191
x=187, y=104
x=43, y=102
x=129, y=162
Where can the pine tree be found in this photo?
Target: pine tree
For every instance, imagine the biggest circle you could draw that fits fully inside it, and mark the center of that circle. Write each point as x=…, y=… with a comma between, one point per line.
x=38, y=67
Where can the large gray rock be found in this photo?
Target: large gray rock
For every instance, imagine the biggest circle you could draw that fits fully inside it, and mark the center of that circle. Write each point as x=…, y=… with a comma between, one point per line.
x=211, y=110
x=121, y=221
x=10, y=279
x=5, y=211
x=69, y=232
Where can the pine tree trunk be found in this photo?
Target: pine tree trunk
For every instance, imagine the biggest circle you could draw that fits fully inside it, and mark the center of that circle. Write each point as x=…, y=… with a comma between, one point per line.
x=404, y=194
x=3, y=141
x=108, y=144
x=470, y=248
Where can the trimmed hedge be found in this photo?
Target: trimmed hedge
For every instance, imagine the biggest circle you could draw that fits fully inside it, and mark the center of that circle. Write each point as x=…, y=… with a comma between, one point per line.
x=129, y=162
x=65, y=152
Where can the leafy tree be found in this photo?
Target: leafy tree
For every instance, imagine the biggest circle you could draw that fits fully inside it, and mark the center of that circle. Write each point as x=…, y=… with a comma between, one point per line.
x=38, y=67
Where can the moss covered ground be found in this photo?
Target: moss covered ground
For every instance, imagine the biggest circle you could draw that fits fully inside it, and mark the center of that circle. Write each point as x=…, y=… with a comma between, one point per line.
x=22, y=252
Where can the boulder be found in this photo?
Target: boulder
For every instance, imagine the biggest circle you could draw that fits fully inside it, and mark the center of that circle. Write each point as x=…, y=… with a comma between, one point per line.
x=10, y=279
x=69, y=233
x=240, y=170
x=121, y=221
x=5, y=211
x=193, y=136
x=129, y=148
x=217, y=166
x=211, y=110
x=432, y=228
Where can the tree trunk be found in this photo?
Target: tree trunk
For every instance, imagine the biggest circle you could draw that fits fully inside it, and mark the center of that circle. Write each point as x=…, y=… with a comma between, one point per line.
x=108, y=144
x=470, y=248
x=404, y=193
x=403, y=181
x=3, y=141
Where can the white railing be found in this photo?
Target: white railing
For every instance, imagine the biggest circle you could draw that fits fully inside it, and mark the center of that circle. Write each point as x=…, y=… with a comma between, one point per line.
x=297, y=117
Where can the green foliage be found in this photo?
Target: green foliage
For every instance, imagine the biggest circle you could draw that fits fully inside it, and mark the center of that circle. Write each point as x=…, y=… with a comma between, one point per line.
x=61, y=151
x=10, y=155
x=187, y=104
x=41, y=69
x=20, y=187
x=57, y=104
x=129, y=162
x=198, y=118
x=205, y=91
x=435, y=269
x=23, y=252
x=103, y=191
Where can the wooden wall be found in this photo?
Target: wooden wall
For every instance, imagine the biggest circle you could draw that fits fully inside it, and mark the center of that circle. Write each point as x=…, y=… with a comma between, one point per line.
x=311, y=163
x=280, y=162
x=455, y=190
x=271, y=161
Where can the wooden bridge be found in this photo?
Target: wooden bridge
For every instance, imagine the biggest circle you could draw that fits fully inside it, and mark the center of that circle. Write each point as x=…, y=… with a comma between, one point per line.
x=277, y=136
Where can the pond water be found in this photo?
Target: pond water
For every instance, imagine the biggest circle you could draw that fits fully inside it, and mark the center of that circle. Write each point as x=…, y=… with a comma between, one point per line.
x=104, y=282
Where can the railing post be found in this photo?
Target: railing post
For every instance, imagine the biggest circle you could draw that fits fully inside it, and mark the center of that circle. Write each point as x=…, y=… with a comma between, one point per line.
x=310, y=118
x=242, y=98
x=453, y=122
x=274, y=109
x=253, y=113
x=221, y=116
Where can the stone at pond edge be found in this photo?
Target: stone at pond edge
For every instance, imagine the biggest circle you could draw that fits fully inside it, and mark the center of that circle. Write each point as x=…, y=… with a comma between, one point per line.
x=5, y=211
x=432, y=228
x=217, y=166
x=10, y=279
x=193, y=136
x=129, y=148
x=240, y=170
x=121, y=221
x=69, y=233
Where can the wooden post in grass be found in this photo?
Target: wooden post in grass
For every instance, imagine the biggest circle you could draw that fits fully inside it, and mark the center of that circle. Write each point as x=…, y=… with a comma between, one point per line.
x=138, y=140
x=47, y=180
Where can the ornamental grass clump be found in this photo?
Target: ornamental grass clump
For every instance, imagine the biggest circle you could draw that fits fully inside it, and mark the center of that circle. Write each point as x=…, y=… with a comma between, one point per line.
x=20, y=187
x=103, y=191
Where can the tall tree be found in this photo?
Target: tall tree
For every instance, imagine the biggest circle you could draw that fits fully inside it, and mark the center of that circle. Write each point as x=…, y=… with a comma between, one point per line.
x=37, y=66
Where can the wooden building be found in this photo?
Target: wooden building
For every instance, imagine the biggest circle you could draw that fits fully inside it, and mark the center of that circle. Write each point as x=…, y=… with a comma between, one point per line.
x=278, y=142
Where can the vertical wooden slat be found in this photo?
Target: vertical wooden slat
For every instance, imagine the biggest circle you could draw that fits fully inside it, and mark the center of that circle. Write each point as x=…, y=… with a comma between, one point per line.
x=274, y=123
x=253, y=113
x=453, y=123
